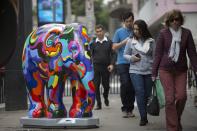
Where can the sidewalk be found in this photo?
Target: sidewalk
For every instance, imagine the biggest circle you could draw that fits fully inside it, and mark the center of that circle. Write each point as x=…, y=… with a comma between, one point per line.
x=110, y=119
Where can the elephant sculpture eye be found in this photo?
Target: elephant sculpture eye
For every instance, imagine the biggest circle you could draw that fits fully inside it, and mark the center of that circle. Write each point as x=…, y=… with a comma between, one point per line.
x=49, y=43
x=51, y=40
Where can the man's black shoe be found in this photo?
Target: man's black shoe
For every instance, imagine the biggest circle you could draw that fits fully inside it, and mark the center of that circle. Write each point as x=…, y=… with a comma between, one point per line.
x=98, y=108
x=106, y=102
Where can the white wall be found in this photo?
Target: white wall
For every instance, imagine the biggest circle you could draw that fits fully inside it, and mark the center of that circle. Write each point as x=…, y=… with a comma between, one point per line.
x=191, y=23
x=186, y=1
x=147, y=11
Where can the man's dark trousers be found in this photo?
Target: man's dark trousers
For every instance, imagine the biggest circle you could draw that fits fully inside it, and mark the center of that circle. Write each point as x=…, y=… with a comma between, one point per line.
x=101, y=75
x=127, y=92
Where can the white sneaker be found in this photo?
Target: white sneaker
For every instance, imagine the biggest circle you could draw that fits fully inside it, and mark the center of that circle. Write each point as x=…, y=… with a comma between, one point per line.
x=130, y=114
x=125, y=114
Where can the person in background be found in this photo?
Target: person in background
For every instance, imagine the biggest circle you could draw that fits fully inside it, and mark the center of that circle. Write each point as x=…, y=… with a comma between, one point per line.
x=195, y=92
x=139, y=52
x=193, y=84
x=195, y=79
x=171, y=62
x=120, y=38
x=103, y=60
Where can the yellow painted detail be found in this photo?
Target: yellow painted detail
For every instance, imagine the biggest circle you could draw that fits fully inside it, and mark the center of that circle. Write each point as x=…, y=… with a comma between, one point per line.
x=65, y=58
x=33, y=37
x=55, y=81
x=54, y=53
x=86, y=55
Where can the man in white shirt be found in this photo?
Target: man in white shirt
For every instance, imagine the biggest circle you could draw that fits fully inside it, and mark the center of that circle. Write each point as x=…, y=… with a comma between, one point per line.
x=103, y=60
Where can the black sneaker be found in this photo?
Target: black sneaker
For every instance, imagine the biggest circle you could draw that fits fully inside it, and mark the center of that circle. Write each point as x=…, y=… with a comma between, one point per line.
x=143, y=122
x=106, y=102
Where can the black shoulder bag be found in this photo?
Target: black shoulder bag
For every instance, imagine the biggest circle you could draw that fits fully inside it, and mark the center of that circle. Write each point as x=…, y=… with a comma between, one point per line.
x=153, y=103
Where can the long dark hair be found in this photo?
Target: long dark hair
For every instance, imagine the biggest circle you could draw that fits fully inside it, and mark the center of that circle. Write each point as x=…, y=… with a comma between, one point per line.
x=143, y=28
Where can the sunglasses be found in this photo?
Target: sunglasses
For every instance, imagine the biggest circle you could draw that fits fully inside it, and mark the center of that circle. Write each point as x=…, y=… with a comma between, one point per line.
x=175, y=19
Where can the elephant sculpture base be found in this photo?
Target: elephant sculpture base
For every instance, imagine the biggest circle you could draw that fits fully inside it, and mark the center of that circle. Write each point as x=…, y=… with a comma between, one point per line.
x=27, y=122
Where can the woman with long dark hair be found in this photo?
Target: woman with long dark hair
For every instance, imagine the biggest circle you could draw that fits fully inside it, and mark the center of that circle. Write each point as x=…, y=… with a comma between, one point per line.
x=139, y=52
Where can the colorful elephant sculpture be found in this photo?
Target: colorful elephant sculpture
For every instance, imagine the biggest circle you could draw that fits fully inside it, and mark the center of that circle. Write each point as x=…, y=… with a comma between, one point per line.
x=52, y=54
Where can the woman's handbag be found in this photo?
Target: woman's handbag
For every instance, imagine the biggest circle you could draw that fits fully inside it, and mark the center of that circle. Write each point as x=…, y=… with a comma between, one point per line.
x=153, y=103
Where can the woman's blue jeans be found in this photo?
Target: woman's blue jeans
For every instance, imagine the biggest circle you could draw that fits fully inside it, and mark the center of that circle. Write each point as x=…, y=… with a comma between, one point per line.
x=143, y=87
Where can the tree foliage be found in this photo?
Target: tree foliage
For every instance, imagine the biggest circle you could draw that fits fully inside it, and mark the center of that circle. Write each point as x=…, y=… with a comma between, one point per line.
x=101, y=11
x=78, y=7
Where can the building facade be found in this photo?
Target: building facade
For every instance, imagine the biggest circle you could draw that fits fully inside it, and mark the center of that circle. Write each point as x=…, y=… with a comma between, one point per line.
x=153, y=12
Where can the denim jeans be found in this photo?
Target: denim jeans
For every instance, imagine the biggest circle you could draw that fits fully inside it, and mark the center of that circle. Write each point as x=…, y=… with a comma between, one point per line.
x=127, y=92
x=143, y=87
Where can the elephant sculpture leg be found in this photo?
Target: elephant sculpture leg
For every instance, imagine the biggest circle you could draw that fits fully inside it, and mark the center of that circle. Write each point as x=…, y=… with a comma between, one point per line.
x=35, y=92
x=82, y=92
x=90, y=88
x=83, y=100
x=79, y=99
x=55, y=89
x=36, y=82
